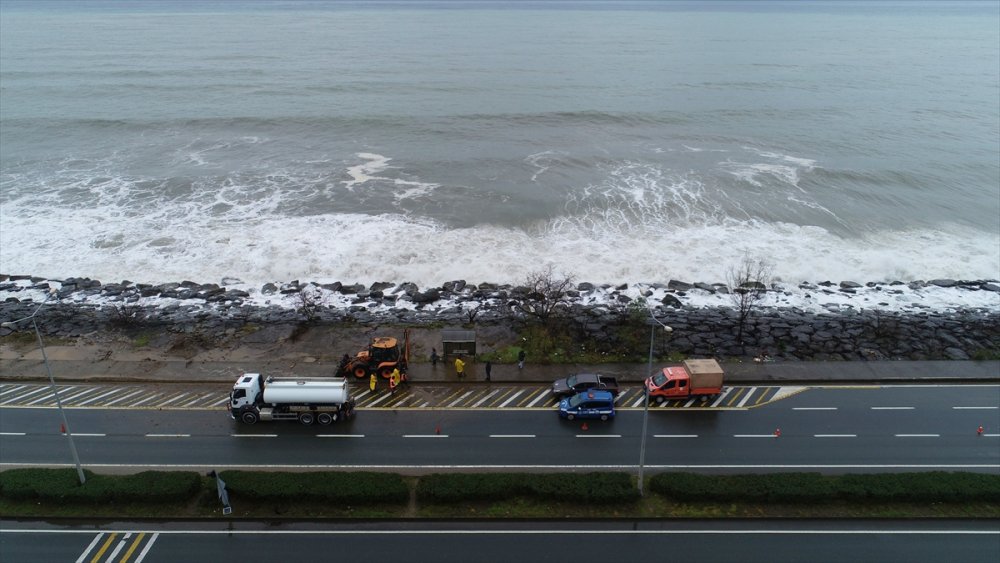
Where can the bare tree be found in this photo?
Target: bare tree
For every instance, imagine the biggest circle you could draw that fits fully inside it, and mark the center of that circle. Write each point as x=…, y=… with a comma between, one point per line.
x=747, y=286
x=541, y=296
x=310, y=299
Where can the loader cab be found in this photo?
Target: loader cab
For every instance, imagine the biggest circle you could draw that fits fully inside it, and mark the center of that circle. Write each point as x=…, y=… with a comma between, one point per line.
x=384, y=349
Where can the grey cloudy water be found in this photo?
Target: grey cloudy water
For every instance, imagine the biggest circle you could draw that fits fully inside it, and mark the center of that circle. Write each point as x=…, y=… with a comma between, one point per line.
x=429, y=141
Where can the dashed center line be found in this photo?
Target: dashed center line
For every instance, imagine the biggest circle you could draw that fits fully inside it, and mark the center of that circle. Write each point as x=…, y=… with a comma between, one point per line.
x=918, y=435
x=95, y=435
x=675, y=435
x=168, y=435
x=340, y=435
x=835, y=435
x=976, y=408
x=754, y=436
x=598, y=435
x=893, y=408
x=254, y=435
x=512, y=435
x=425, y=435
x=814, y=408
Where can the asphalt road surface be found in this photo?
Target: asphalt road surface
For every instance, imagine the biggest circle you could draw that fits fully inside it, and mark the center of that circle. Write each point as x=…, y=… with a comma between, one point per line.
x=897, y=428
x=634, y=541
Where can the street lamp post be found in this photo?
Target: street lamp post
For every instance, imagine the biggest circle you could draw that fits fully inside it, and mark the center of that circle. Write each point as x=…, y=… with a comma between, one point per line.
x=52, y=381
x=645, y=392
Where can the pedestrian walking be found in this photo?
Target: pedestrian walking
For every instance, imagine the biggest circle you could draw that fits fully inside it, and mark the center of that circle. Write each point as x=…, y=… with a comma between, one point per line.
x=372, y=383
x=459, y=367
x=434, y=357
x=489, y=370
x=520, y=359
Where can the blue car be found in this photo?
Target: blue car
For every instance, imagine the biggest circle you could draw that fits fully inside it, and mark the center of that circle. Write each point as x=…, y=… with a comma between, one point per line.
x=588, y=404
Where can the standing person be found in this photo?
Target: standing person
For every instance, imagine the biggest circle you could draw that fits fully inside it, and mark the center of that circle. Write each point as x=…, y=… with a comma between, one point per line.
x=372, y=383
x=489, y=370
x=393, y=382
x=434, y=357
x=396, y=376
x=459, y=367
x=520, y=359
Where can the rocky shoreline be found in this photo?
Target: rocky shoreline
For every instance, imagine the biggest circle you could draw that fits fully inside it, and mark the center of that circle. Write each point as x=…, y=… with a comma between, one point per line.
x=604, y=315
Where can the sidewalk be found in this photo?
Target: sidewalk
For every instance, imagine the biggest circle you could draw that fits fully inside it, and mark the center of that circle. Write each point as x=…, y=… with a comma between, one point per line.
x=70, y=365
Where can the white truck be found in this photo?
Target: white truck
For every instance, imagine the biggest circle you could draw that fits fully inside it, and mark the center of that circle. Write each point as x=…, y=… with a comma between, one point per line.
x=308, y=400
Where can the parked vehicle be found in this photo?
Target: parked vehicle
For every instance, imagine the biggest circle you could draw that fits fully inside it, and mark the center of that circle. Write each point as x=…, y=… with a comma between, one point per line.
x=692, y=379
x=383, y=355
x=583, y=382
x=308, y=400
x=588, y=404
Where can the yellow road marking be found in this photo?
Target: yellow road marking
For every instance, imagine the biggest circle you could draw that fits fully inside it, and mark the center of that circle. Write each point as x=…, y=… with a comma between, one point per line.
x=135, y=544
x=739, y=393
x=107, y=544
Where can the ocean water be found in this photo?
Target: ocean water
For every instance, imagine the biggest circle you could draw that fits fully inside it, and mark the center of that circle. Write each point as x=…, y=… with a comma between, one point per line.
x=618, y=142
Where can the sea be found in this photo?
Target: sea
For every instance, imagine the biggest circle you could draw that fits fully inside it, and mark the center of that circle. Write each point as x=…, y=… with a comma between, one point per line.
x=614, y=142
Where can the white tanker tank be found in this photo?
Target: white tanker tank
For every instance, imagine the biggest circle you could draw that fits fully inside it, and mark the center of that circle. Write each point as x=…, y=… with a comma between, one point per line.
x=323, y=400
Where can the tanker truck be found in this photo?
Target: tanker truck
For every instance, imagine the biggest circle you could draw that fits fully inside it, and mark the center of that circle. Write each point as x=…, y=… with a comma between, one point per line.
x=308, y=400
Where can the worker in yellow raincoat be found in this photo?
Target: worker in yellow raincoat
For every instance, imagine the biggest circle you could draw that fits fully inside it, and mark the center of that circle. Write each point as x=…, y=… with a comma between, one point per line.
x=459, y=367
x=372, y=382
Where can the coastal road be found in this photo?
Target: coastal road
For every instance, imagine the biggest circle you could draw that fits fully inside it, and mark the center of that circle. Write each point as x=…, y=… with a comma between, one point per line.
x=612, y=540
x=898, y=428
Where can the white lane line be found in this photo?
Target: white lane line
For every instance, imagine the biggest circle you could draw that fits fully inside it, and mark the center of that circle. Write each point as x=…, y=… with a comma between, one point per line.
x=120, y=546
x=98, y=398
x=991, y=435
x=145, y=550
x=974, y=408
x=340, y=435
x=28, y=394
x=512, y=397
x=425, y=435
x=172, y=399
x=83, y=393
x=486, y=398
x=691, y=402
x=540, y=396
x=49, y=397
x=125, y=397
x=220, y=401
x=918, y=435
x=642, y=396
x=675, y=435
x=147, y=399
x=893, y=408
x=254, y=435
x=512, y=435
x=835, y=435
x=460, y=399
x=86, y=552
x=537, y=531
x=598, y=435
x=379, y=400
x=200, y=398
x=747, y=397
x=509, y=467
x=11, y=389
x=12, y=434
x=814, y=408
x=721, y=397
x=92, y=435
x=168, y=435
x=754, y=436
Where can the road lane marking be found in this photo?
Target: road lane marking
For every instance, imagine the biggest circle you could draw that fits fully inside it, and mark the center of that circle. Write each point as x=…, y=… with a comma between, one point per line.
x=918, y=435
x=340, y=435
x=675, y=435
x=168, y=435
x=721, y=397
x=541, y=395
x=539, y=531
x=107, y=544
x=145, y=550
x=814, y=408
x=893, y=408
x=12, y=434
x=135, y=544
x=598, y=435
x=512, y=397
x=486, y=398
x=975, y=408
x=125, y=397
x=642, y=397
x=98, y=398
x=425, y=435
x=512, y=435
x=83, y=555
x=121, y=544
x=86, y=434
x=254, y=435
x=747, y=397
x=11, y=389
x=460, y=398
x=26, y=395
x=835, y=435
x=610, y=467
x=754, y=436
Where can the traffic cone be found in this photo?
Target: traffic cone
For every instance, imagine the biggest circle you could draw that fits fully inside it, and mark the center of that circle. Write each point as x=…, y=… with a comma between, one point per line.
x=584, y=426
x=979, y=431
x=437, y=429
x=62, y=428
x=777, y=432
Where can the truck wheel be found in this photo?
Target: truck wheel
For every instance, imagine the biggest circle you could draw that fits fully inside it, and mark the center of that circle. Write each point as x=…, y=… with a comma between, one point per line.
x=249, y=417
x=360, y=372
x=306, y=418
x=386, y=373
x=604, y=417
x=570, y=417
x=659, y=400
x=324, y=418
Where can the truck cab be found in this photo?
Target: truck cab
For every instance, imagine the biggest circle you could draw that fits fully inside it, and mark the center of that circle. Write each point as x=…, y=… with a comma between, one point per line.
x=246, y=392
x=671, y=382
x=588, y=404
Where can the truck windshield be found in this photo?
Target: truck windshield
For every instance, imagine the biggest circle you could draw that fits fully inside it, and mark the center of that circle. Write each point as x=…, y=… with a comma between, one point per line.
x=659, y=379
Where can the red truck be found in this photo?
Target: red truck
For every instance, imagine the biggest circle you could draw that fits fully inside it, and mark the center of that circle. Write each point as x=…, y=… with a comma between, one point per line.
x=693, y=378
